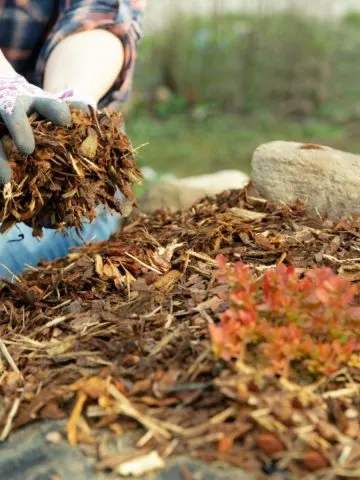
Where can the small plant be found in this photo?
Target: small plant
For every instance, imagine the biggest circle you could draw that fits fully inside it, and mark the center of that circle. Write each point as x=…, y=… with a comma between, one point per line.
x=287, y=323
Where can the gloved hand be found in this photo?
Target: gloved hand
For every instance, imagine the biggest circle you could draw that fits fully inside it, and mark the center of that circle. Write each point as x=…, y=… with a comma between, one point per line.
x=17, y=99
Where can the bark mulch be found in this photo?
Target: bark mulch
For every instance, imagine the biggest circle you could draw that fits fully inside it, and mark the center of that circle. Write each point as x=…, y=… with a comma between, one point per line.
x=115, y=336
x=72, y=171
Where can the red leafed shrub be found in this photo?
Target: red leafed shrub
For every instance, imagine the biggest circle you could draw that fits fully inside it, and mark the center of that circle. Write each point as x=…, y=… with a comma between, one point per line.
x=287, y=323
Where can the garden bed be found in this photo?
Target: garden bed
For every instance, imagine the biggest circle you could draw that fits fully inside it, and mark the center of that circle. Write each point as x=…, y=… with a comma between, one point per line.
x=127, y=333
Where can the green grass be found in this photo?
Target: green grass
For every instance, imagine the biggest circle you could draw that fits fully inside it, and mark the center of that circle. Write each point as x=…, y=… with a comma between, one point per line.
x=287, y=64
x=183, y=146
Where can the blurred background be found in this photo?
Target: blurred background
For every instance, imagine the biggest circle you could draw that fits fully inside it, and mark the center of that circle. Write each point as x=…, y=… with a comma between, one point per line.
x=216, y=78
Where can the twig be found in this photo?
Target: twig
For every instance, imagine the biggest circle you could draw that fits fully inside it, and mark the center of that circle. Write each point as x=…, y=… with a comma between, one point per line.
x=143, y=264
x=343, y=392
x=151, y=314
x=126, y=408
x=163, y=342
x=8, y=357
x=66, y=302
x=74, y=418
x=11, y=273
x=56, y=321
x=10, y=418
x=201, y=256
x=344, y=260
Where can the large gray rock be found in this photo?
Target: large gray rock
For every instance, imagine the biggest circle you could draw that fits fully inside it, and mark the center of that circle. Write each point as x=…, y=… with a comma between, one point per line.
x=180, y=193
x=327, y=180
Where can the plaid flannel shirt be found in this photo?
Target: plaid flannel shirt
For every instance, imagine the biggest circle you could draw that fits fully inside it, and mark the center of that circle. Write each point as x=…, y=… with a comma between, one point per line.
x=30, y=30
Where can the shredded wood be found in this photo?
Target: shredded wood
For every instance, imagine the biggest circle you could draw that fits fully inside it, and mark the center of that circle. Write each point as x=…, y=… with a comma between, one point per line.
x=116, y=337
x=72, y=171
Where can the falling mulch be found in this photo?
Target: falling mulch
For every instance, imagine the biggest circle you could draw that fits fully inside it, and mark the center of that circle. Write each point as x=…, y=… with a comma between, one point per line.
x=72, y=171
x=116, y=336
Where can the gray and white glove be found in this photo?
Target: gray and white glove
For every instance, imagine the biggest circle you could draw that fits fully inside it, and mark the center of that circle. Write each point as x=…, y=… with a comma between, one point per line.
x=18, y=98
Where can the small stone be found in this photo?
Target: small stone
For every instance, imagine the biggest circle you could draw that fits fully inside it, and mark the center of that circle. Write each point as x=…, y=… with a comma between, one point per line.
x=53, y=437
x=74, y=307
x=318, y=257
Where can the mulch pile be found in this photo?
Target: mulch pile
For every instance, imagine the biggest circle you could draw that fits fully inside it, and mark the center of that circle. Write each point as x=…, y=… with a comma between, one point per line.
x=115, y=336
x=72, y=171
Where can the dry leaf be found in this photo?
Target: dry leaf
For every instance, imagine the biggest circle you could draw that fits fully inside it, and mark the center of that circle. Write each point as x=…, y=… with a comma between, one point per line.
x=99, y=265
x=89, y=146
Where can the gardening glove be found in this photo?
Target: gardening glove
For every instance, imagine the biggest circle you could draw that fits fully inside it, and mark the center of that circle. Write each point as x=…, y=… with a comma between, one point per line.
x=18, y=98
x=78, y=99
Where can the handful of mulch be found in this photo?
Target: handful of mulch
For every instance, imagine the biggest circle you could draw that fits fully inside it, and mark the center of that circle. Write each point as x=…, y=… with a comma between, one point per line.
x=72, y=171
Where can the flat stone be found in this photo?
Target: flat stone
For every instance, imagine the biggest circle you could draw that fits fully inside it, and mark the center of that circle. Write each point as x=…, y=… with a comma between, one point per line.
x=177, y=194
x=27, y=455
x=327, y=180
x=178, y=467
x=37, y=452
